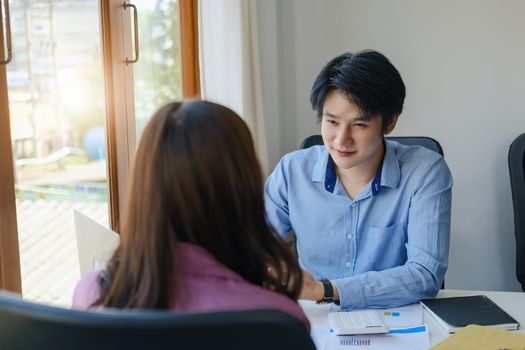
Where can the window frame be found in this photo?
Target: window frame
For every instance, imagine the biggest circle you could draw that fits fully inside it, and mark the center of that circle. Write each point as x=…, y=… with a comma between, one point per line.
x=116, y=30
x=10, y=277
x=189, y=29
x=117, y=44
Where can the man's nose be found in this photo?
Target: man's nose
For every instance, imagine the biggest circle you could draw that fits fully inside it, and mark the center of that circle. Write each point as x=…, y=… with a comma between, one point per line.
x=343, y=137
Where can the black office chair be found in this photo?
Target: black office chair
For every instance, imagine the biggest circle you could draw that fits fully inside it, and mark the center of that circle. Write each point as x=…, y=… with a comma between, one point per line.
x=424, y=141
x=29, y=326
x=517, y=184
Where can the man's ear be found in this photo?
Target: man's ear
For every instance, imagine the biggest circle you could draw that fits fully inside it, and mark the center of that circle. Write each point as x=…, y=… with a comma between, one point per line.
x=390, y=127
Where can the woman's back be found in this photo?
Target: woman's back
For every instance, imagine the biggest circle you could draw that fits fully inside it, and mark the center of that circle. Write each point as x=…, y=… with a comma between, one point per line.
x=203, y=285
x=195, y=236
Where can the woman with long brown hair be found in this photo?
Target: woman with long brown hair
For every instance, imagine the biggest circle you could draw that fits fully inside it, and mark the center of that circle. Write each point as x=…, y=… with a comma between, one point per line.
x=195, y=237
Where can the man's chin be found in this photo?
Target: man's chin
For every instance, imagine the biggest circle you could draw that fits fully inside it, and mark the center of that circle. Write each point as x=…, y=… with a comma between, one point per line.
x=344, y=165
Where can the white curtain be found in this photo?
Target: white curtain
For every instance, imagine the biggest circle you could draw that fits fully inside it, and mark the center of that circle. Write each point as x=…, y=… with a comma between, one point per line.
x=229, y=63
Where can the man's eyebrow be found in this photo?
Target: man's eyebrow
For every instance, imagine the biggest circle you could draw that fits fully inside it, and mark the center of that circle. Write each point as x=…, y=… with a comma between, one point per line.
x=328, y=114
x=363, y=118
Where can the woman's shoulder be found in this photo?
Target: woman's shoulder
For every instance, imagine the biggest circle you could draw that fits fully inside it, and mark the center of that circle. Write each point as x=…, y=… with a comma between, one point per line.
x=246, y=295
x=207, y=285
x=86, y=291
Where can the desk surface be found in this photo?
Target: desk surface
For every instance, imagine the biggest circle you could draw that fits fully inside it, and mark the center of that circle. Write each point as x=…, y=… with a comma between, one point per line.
x=512, y=302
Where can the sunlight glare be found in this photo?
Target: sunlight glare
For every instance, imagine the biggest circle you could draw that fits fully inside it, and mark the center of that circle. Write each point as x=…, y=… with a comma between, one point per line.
x=75, y=92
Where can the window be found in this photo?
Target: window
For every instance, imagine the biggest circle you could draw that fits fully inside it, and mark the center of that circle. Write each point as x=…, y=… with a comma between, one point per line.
x=75, y=109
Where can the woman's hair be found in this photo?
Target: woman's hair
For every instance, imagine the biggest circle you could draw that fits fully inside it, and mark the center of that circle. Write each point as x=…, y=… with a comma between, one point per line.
x=196, y=179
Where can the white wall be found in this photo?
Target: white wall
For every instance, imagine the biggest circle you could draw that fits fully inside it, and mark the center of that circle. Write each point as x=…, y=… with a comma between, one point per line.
x=463, y=63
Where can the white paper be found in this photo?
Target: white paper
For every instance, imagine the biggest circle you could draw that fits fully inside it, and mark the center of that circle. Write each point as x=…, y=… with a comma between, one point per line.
x=95, y=243
x=397, y=317
x=404, y=316
x=418, y=340
x=318, y=316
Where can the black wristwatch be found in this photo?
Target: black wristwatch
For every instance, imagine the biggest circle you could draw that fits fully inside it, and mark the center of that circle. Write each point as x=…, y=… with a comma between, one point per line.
x=328, y=296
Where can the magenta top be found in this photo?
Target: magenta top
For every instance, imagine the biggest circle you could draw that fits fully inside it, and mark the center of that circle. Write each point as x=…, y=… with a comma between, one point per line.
x=204, y=285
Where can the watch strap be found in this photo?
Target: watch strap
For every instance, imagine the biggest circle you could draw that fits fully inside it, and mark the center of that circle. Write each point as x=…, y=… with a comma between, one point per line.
x=328, y=296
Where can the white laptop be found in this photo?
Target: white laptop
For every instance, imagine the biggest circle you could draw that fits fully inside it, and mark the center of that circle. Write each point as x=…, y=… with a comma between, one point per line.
x=95, y=243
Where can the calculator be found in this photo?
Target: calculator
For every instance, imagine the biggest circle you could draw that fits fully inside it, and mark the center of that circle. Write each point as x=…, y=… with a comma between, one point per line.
x=356, y=322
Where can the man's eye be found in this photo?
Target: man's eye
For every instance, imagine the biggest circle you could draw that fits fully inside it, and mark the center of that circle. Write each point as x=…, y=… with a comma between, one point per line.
x=331, y=121
x=360, y=125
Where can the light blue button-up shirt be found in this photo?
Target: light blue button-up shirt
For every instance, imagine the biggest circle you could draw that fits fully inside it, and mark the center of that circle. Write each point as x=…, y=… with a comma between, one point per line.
x=386, y=247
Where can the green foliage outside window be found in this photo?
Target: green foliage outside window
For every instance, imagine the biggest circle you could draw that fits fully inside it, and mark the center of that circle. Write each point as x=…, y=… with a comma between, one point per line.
x=158, y=73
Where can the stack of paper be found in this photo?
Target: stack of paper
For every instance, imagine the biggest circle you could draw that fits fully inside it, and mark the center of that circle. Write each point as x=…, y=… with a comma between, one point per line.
x=414, y=338
x=406, y=332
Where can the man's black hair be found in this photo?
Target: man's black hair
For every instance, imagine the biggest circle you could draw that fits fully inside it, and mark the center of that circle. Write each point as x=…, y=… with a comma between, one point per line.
x=367, y=78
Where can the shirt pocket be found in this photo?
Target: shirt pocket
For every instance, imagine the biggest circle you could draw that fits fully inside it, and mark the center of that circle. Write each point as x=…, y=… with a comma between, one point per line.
x=384, y=247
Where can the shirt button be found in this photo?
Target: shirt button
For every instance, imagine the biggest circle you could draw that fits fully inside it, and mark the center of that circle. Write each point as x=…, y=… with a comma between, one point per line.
x=348, y=264
x=349, y=236
x=353, y=204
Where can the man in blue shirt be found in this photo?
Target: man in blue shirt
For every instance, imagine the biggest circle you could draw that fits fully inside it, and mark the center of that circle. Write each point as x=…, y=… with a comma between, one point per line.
x=371, y=216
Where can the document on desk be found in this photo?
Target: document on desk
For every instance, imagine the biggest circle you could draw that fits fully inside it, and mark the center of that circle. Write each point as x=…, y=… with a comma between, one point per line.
x=404, y=316
x=414, y=338
x=398, y=317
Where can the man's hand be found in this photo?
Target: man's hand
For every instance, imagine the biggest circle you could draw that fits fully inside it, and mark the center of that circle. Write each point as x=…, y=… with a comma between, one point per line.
x=313, y=289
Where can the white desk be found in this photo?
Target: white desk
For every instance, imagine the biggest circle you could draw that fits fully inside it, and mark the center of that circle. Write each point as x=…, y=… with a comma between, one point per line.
x=512, y=302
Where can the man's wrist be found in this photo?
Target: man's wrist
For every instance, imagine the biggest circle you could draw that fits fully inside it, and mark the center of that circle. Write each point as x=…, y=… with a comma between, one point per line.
x=328, y=292
x=336, y=291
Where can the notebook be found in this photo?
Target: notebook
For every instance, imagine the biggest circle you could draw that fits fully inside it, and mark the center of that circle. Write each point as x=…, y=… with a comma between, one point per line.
x=457, y=312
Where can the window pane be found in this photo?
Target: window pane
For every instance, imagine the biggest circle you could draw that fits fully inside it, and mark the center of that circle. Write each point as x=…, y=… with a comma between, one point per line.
x=57, y=123
x=157, y=74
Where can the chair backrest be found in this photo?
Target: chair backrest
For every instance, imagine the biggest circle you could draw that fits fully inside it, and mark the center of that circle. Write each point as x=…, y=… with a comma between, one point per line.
x=517, y=183
x=424, y=141
x=28, y=326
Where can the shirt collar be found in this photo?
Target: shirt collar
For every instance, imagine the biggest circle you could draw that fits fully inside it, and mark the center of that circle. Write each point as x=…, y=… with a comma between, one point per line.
x=388, y=174
x=321, y=165
x=391, y=172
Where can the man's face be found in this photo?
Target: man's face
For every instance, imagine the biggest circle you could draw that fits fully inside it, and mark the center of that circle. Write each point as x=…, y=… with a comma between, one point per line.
x=354, y=141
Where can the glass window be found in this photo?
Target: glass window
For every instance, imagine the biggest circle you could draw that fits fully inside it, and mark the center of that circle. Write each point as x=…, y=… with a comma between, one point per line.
x=57, y=115
x=157, y=74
